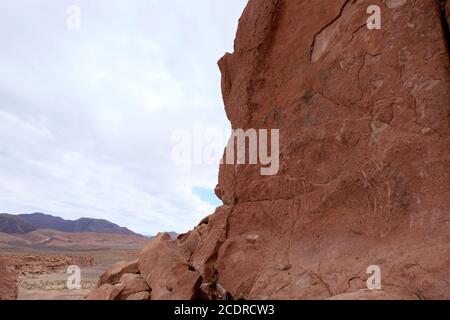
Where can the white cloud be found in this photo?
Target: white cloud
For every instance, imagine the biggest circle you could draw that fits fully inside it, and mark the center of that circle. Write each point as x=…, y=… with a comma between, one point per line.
x=86, y=116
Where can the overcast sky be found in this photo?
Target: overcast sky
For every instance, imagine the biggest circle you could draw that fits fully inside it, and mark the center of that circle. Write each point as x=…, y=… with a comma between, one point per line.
x=87, y=116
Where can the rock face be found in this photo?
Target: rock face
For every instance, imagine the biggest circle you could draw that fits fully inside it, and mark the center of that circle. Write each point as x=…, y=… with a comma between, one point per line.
x=364, y=175
x=9, y=279
x=390, y=294
x=164, y=264
x=114, y=273
x=364, y=137
x=121, y=282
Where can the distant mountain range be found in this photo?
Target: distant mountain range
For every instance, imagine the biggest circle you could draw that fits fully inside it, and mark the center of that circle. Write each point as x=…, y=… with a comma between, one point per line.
x=25, y=223
x=12, y=224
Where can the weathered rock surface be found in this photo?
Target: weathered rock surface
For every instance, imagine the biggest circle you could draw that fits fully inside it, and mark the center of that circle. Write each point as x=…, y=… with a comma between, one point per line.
x=164, y=264
x=134, y=285
x=122, y=281
x=389, y=294
x=364, y=160
x=106, y=292
x=9, y=279
x=140, y=296
x=130, y=287
x=364, y=124
x=114, y=273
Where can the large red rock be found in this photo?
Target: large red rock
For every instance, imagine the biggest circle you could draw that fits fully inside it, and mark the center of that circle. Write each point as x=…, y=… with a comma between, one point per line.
x=364, y=160
x=140, y=296
x=114, y=273
x=365, y=151
x=130, y=286
x=164, y=264
x=9, y=279
x=134, y=284
x=106, y=292
x=389, y=294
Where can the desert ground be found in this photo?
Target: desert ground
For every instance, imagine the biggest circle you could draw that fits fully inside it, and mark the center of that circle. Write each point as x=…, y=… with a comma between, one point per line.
x=40, y=284
x=43, y=268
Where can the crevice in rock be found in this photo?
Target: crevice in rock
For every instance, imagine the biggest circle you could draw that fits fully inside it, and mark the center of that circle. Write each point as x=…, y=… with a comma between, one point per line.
x=191, y=268
x=211, y=261
x=323, y=282
x=354, y=278
x=444, y=23
x=210, y=268
x=356, y=30
x=326, y=26
x=196, y=291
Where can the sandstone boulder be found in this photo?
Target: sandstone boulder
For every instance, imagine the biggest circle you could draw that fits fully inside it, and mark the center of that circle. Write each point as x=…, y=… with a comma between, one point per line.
x=106, y=292
x=113, y=274
x=129, y=286
x=133, y=285
x=164, y=264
